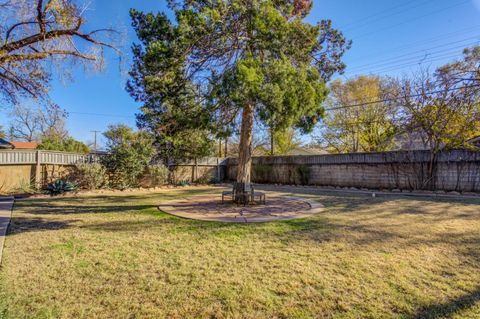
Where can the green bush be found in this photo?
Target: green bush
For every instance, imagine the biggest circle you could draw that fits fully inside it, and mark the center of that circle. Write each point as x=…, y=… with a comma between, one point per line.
x=129, y=154
x=304, y=174
x=183, y=183
x=262, y=173
x=60, y=186
x=63, y=144
x=207, y=178
x=156, y=175
x=91, y=176
x=26, y=187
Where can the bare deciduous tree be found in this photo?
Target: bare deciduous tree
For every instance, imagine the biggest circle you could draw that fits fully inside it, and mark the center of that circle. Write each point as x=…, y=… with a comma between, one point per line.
x=34, y=124
x=38, y=34
x=443, y=108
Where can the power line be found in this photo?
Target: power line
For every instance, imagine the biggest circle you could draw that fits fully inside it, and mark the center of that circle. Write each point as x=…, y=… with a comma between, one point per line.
x=401, y=65
x=396, y=99
x=370, y=21
x=424, y=51
x=102, y=114
x=414, y=19
x=384, y=70
x=425, y=41
x=378, y=13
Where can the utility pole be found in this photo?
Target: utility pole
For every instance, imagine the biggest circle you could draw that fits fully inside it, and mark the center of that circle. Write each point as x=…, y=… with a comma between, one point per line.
x=95, y=140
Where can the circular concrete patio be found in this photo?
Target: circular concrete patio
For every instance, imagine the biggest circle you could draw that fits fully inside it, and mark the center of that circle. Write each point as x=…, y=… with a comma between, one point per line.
x=210, y=208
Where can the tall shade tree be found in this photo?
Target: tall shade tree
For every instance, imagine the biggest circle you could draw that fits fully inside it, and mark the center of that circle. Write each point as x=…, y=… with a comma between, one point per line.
x=36, y=35
x=170, y=110
x=248, y=58
x=356, y=122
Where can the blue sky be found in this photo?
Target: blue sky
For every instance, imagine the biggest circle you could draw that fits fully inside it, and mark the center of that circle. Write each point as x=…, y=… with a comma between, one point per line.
x=389, y=37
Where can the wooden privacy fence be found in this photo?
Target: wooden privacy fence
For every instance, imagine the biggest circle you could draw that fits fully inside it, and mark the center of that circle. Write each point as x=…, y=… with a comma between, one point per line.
x=24, y=167
x=38, y=167
x=199, y=170
x=38, y=157
x=455, y=170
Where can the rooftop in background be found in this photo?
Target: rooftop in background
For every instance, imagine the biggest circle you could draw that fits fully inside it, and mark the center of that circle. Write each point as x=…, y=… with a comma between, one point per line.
x=5, y=144
x=24, y=145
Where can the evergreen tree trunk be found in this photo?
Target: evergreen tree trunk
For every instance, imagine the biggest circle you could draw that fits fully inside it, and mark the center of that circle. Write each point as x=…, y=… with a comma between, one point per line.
x=272, y=143
x=226, y=146
x=245, y=153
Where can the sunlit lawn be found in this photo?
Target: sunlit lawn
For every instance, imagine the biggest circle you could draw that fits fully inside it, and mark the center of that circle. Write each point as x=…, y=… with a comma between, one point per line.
x=116, y=256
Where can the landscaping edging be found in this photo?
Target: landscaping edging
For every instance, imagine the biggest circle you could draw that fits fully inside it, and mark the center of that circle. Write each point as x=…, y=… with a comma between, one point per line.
x=6, y=205
x=210, y=208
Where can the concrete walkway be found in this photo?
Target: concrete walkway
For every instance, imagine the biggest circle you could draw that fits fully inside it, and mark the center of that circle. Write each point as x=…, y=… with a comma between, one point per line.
x=6, y=204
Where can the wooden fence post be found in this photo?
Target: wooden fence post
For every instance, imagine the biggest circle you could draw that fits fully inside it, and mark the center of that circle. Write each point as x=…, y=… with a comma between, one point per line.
x=196, y=170
x=38, y=171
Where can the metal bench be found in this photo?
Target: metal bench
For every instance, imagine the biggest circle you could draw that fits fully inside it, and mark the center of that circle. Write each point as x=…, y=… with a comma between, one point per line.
x=244, y=197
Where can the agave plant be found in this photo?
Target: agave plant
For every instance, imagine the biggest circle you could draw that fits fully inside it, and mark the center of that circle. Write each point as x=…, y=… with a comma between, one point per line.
x=60, y=186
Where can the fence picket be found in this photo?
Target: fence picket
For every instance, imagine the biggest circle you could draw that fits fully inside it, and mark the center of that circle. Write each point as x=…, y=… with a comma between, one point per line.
x=13, y=157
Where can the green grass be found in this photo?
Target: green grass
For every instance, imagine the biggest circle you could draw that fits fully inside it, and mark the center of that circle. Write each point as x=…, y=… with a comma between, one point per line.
x=116, y=256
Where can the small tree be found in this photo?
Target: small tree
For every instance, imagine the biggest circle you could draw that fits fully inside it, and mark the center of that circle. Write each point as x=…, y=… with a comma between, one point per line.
x=369, y=127
x=283, y=142
x=68, y=144
x=129, y=153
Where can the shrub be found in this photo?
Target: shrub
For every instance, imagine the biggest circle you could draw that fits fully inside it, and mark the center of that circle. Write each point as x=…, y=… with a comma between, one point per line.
x=156, y=175
x=26, y=187
x=63, y=144
x=206, y=178
x=60, y=186
x=304, y=174
x=129, y=154
x=91, y=176
x=262, y=173
x=183, y=183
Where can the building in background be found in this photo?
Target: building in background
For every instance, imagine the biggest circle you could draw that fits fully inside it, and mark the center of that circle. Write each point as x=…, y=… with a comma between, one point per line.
x=4, y=144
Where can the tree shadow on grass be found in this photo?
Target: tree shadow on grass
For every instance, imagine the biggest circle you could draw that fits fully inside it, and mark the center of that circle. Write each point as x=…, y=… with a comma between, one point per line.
x=449, y=308
x=24, y=225
x=48, y=209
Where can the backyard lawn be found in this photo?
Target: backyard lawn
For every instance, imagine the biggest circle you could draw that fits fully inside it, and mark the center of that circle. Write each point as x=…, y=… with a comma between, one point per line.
x=117, y=256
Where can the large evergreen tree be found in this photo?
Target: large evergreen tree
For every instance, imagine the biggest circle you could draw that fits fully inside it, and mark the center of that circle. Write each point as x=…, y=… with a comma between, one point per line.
x=238, y=58
x=170, y=110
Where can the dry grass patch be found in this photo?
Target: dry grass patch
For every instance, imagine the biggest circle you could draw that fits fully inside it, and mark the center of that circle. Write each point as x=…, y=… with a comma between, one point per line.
x=116, y=256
